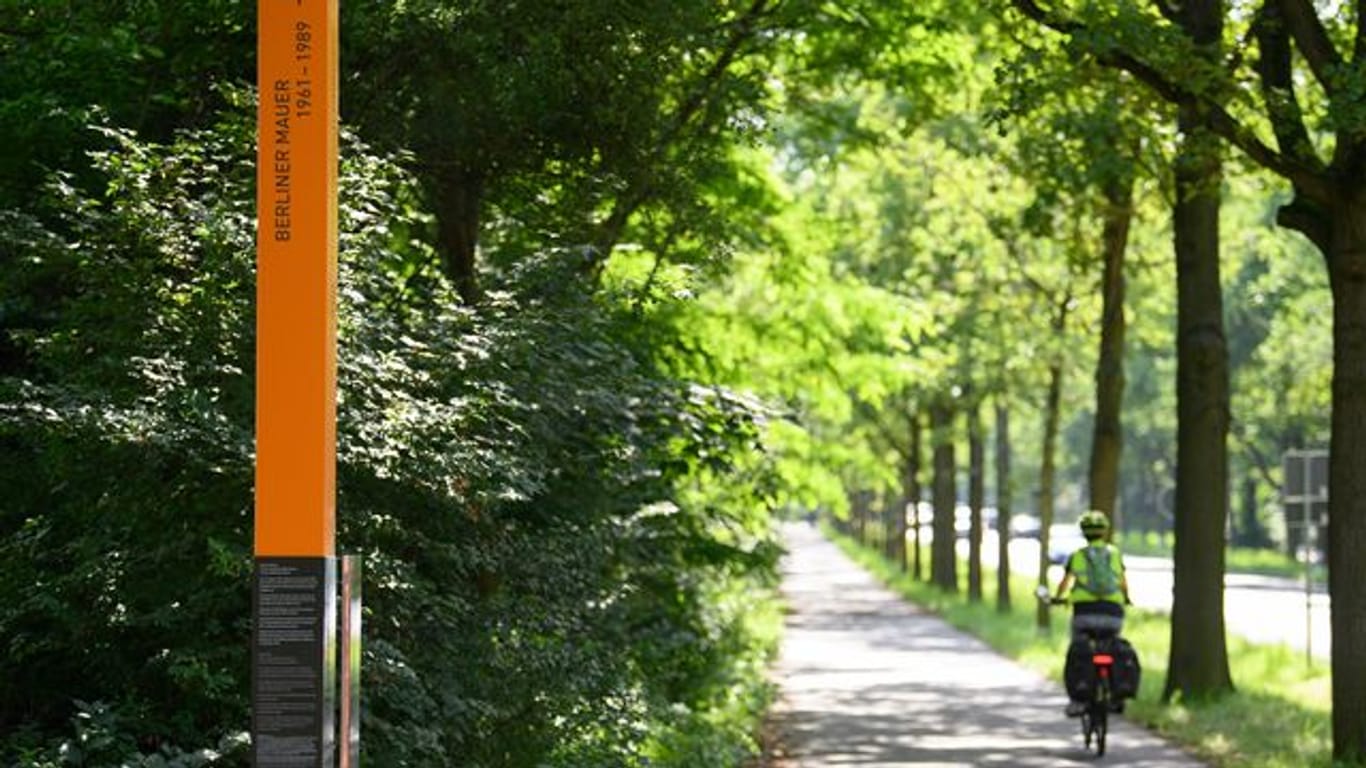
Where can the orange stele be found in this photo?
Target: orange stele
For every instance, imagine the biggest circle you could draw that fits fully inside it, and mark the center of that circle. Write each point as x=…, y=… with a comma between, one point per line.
x=296, y=299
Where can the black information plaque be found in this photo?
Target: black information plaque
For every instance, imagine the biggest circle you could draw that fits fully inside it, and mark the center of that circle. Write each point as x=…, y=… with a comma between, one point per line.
x=293, y=690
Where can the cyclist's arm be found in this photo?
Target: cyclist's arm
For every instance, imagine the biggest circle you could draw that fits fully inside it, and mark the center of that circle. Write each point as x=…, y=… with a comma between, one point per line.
x=1124, y=583
x=1065, y=586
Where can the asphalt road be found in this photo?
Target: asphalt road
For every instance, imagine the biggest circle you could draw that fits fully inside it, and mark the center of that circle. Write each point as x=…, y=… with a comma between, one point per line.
x=1262, y=609
x=868, y=680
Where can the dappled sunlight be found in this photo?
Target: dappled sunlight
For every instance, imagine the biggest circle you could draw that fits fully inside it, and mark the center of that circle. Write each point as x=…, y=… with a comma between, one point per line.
x=870, y=680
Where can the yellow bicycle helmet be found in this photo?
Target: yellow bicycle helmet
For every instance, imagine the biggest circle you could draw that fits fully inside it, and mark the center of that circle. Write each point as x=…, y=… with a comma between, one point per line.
x=1094, y=523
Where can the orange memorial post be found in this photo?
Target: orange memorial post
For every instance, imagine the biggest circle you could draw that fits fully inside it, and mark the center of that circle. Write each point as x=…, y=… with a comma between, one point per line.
x=294, y=602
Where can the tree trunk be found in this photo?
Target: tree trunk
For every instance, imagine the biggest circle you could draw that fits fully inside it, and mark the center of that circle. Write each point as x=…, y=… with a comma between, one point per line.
x=976, y=494
x=943, y=558
x=1198, y=665
x=1346, y=480
x=913, y=482
x=901, y=530
x=1330, y=209
x=908, y=491
x=1002, y=505
x=860, y=518
x=890, y=528
x=1251, y=532
x=458, y=196
x=1046, y=470
x=1106, y=439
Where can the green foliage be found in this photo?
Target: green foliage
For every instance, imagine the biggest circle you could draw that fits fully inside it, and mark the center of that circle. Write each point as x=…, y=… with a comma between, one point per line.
x=100, y=738
x=556, y=124
x=143, y=63
x=546, y=554
x=562, y=492
x=125, y=427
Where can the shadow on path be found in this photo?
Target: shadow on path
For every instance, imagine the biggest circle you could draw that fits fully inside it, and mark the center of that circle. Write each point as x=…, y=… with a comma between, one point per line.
x=869, y=680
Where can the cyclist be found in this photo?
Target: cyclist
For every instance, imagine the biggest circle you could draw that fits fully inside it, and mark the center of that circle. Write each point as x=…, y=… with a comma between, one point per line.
x=1094, y=582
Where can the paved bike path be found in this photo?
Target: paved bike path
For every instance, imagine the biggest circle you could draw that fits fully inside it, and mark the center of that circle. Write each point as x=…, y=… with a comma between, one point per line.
x=871, y=681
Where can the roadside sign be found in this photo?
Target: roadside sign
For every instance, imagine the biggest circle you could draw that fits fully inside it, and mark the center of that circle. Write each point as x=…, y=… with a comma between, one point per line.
x=1305, y=476
x=294, y=596
x=1304, y=493
x=296, y=302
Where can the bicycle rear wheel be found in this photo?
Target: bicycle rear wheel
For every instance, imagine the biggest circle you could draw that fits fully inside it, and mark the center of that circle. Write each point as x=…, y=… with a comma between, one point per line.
x=1099, y=726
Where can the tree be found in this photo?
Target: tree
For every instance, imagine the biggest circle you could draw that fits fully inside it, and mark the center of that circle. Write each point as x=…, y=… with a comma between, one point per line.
x=976, y=497
x=161, y=66
x=913, y=493
x=536, y=486
x=1083, y=153
x=1047, y=472
x=1199, y=653
x=1051, y=286
x=1328, y=208
x=1199, y=663
x=594, y=107
x=1003, y=505
x=1107, y=437
x=943, y=557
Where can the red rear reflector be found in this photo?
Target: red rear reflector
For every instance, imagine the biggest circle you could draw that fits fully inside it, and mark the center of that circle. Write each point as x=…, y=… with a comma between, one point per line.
x=1103, y=659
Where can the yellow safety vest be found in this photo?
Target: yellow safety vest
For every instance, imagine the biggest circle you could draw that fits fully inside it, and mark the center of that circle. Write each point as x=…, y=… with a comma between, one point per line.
x=1077, y=565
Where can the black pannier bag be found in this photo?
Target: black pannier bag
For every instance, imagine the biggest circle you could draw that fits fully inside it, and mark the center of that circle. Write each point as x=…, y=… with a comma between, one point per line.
x=1079, y=672
x=1126, y=673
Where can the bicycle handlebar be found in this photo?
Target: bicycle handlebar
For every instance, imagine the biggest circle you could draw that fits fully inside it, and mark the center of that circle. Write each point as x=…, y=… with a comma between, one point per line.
x=1044, y=596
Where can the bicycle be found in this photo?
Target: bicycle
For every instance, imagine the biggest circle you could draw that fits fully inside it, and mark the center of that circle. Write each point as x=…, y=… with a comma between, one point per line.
x=1095, y=717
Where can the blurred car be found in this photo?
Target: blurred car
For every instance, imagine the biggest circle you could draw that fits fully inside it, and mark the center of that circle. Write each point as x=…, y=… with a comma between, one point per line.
x=1063, y=540
x=1025, y=527
x=962, y=518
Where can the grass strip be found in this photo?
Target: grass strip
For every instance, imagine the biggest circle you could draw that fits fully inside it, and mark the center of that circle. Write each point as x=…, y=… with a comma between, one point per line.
x=1278, y=718
x=1262, y=562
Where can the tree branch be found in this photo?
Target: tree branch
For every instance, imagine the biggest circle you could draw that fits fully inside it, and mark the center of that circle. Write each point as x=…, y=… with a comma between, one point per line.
x=1218, y=119
x=1312, y=40
x=1306, y=179
x=1359, y=48
x=1029, y=279
x=639, y=188
x=661, y=251
x=1258, y=458
x=882, y=430
x=1235, y=59
x=1167, y=10
x=1049, y=19
x=1274, y=71
x=890, y=441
